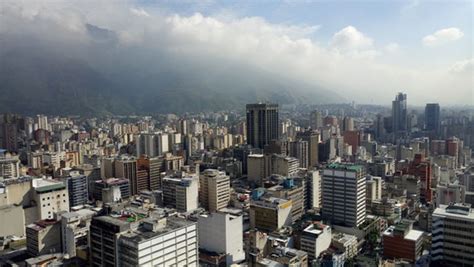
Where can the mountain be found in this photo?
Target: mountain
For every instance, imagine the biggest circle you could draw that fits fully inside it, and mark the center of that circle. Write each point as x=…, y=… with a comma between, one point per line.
x=100, y=77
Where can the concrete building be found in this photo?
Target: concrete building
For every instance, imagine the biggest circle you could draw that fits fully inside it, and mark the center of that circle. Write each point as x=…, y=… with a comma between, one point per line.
x=316, y=120
x=284, y=166
x=346, y=243
x=270, y=214
x=77, y=189
x=452, y=242
x=300, y=149
x=450, y=193
x=258, y=168
x=262, y=124
x=181, y=193
x=373, y=188
x=284, y=256
x=344, y=194
x=313, y=139
x=168, y=241
x=104, y=234
x=315, y=239
x=43, y=237
x=107, y=186
x=214, y=191
x=294, y=190
x=127, y=168
x=400, y=241
x=50, y=197
x=9, y=165
x=75, y=232
x=313, y=190
x=222, y=233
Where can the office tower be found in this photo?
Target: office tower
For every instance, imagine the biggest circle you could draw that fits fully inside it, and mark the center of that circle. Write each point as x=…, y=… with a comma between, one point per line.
x=452, y=243
x=400, y=241
x=127, y=168
x=222, y=233
x=181, y=193
x=262, y=124
x=379, y=126
x=399, y=114
x=77, y=189
x=313, y=138
x=104, y=232
x=214, y=190
x=43, y=237
x=344, y=196
x=316, y=120
x=50, y=197
x=75, y=232
x=9, y=165
x=348, y=124
x=299, y=149
x=173, y=241
x=432, y=118
x=270, y=214
x=315, y=239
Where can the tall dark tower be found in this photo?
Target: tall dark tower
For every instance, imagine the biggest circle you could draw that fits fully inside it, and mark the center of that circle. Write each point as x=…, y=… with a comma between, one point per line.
x=432, y=117
x=399, y=114
x=262, y=124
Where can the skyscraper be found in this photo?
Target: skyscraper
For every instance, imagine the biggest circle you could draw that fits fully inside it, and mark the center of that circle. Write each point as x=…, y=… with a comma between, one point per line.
x=399, y=114
x=316, y=119
x=214, y=191
x=262, y=124
x=432, y=118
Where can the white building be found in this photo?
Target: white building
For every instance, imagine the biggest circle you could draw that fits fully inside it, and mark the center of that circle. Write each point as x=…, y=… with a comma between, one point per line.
x=160, y=242
x=75, y=231
x=50, y=197
x=222, y=233
x=9, y=166
x=452, y=235
x=344, y=194
x=450, y=193
x=181, y=193
x=315, y=239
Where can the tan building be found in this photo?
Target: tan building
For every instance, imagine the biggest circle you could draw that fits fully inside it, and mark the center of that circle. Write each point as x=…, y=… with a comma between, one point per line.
x=270, y=214
x=50, y=197
x=214, y=191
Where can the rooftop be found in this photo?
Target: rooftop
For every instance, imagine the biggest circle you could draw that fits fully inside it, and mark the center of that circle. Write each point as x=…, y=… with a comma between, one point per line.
x=461, y=211
x=172, y=223
x=347, y=167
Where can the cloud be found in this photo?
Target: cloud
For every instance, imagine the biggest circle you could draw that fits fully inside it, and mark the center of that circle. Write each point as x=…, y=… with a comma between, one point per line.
x=442, y=36
x=392, y=47
x=464, y=67
x=139, y=12
x=352, y=42
x=348, y=63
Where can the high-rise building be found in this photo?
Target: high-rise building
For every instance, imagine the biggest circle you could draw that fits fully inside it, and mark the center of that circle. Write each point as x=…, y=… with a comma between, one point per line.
x=77, y=189
x=262, y=124
x=221, y=232
x=181, y=193
x=9, y=165
x=432, y=118
x=170, y=241
x=127, y=168
x=300, y=150
x=313, y=138
x=344, y=192
x=452, y=243
x=348, y=124
x=399, y=114
x=75, y=231
x=293, y=189
x=214, y=191
x=50, y=197
x=316, y=120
